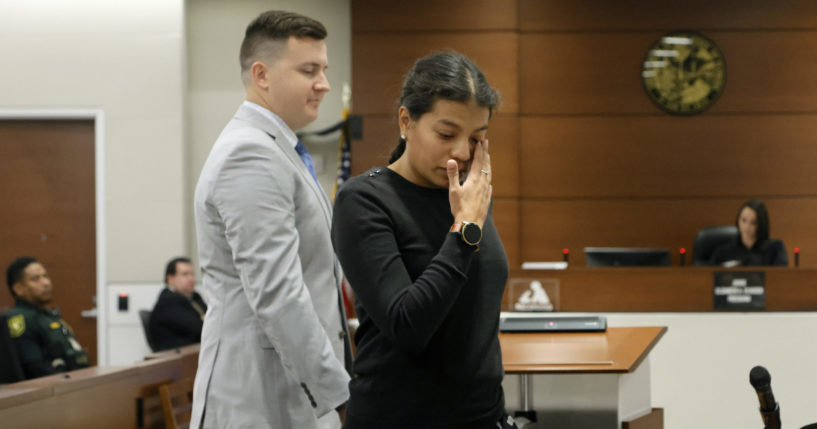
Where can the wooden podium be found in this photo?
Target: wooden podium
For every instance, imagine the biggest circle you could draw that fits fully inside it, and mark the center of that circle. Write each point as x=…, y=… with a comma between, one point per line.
x=582, y=380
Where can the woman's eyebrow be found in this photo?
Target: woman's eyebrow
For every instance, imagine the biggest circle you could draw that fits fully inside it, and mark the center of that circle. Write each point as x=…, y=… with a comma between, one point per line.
x=449, y=123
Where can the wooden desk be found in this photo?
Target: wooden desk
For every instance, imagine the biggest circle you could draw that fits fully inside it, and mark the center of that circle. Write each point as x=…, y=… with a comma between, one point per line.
x=91, y=397
x=583, y=380
x=667, y=289
x=618, y=350
x=186, y=352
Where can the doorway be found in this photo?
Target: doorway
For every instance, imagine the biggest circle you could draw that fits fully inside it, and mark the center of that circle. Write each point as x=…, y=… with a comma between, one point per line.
x=49, y=211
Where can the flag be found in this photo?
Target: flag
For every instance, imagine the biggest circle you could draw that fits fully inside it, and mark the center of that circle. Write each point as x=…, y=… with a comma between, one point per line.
x=344, y=155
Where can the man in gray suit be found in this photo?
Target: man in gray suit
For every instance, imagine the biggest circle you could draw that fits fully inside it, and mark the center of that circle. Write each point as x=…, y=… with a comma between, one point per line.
x=273, y=343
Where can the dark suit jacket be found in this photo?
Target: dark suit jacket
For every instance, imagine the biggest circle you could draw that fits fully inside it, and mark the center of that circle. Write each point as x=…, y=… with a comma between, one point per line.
x=174, y=322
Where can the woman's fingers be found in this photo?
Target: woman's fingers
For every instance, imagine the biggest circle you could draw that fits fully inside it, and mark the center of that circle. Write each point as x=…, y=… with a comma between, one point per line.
x=471, y=200
x=486, y=157
x=484, y=160
x=453, y=174
x=479, y=166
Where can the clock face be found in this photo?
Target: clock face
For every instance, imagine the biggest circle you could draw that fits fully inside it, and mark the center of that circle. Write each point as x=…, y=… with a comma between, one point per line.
x=684, y=73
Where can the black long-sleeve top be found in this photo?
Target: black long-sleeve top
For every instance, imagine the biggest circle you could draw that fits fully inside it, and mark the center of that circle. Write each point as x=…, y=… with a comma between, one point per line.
x=427, y=347
x=768, y=252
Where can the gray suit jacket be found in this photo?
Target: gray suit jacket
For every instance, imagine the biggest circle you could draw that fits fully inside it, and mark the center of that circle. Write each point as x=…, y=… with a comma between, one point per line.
x=272, y=346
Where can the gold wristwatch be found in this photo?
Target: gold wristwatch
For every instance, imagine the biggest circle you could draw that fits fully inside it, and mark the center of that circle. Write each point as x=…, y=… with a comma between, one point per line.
x=470, y=233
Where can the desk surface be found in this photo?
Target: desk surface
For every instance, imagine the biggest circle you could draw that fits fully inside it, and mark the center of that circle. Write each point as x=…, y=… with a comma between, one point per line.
x=618, y=350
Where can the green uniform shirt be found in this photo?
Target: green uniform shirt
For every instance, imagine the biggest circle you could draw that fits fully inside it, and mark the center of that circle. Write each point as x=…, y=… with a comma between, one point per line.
x=45, y=343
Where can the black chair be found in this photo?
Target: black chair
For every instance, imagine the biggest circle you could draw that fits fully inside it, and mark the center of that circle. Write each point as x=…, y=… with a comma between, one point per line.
x=709, y=239
x=144, y=315
x=10, y=369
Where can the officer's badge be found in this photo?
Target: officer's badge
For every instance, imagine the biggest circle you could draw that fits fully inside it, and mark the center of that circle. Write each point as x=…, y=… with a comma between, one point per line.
x=17, y=325
x=55, y=325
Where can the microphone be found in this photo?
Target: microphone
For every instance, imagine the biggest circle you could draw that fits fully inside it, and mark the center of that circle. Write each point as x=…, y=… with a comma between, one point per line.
x=769, y=409
x=683, y=253
x=796, y=257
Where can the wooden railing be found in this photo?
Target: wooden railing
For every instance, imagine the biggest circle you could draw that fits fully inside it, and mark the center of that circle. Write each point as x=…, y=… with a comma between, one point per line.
x=110, y=397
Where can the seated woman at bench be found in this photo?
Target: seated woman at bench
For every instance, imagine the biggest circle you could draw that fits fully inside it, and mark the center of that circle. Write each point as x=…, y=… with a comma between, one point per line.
x=753, y=245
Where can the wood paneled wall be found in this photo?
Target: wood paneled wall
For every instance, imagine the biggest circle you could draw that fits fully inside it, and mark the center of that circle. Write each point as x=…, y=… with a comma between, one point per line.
x=581, y=156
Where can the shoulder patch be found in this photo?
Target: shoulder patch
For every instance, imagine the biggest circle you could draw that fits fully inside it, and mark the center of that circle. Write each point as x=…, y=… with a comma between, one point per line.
x=17, y=325
x=54, y=325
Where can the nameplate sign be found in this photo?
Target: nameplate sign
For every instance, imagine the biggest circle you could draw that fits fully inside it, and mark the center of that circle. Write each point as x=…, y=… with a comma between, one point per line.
x=739, y=290
x=533, y=294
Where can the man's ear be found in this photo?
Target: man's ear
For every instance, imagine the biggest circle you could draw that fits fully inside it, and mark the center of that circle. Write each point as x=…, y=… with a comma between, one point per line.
x=18, y=289
x=258, y=73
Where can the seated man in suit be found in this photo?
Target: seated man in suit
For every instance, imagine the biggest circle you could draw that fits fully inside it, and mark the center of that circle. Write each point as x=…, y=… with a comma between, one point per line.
x=178, y=315
x=45, y=343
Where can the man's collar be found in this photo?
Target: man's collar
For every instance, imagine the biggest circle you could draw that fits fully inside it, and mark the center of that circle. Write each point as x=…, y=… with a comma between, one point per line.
x=24, y=303
x=178, y=293
x=288, y=133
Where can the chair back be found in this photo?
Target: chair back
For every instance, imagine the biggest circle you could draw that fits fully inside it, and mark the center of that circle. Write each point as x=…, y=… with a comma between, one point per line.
x=177, y=402
x=10, y=369
x=710, y=238
x=144, y=316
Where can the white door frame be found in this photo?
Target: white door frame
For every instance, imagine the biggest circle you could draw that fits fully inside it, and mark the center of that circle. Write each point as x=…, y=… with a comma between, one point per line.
x=98, y=116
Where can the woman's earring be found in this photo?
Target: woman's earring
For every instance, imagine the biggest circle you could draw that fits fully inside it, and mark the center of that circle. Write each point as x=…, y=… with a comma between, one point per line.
x=402, y=137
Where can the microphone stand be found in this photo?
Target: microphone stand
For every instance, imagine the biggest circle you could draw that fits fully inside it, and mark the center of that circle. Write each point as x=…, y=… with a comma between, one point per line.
x=771, y=418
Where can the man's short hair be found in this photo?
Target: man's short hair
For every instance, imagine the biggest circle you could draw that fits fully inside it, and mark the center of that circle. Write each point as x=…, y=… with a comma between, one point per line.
x=14, y=272
x=275, y=26
x=170, y=269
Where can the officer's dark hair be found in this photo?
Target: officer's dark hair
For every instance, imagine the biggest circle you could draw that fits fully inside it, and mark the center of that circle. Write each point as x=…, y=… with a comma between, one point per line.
x=443, y=76
x=274, y=26
x=170, y=270
x=14, y=273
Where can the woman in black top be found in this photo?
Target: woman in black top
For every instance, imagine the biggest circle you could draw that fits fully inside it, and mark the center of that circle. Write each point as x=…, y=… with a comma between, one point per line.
x=418, y=245
x=753, y=245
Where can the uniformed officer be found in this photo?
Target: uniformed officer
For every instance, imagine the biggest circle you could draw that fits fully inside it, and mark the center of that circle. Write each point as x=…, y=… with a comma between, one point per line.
x=44, y=342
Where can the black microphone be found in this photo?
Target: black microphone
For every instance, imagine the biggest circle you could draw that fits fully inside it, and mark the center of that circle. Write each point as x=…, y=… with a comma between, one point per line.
x=769, y=409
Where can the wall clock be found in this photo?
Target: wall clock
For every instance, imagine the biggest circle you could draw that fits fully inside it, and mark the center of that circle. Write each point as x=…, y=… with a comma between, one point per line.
x=684, y=73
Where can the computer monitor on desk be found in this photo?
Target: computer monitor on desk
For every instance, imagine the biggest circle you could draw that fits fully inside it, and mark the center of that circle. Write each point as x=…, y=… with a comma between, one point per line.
x=626, y=257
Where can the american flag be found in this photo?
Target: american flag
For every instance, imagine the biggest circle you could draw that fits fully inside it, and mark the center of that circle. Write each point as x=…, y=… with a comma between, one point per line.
x=344, y=155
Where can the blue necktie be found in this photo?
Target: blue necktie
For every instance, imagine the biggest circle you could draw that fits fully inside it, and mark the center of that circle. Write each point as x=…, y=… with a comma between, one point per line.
x=347, y=350
x=304, y=154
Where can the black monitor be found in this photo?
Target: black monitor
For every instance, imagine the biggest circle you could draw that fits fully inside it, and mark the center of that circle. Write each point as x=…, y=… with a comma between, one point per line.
x=626, y=257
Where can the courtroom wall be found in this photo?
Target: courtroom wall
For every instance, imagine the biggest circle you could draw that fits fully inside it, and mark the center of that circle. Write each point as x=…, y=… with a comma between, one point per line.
x=125, y=59
x=581, y=156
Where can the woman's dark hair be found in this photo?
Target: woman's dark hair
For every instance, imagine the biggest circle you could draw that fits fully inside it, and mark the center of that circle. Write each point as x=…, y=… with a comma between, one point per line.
x=762, y=234
x=443, y=76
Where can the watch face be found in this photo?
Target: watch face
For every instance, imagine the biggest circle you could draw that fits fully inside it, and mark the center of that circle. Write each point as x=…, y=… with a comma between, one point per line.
x=684, y=73
x=471, y=233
